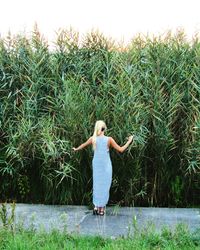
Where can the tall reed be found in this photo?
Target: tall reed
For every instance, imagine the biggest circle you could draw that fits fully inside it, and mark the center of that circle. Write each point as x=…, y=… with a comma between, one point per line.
x=50, y=101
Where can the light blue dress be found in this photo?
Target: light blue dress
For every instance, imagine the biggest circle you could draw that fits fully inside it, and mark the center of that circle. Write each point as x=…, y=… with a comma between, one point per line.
x=102, y=172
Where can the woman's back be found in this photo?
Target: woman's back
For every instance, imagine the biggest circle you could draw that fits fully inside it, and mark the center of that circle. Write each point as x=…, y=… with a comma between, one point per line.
x=101, y=147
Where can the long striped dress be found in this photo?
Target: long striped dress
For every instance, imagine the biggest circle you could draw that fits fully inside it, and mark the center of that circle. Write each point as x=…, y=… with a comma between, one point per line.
x=102, y=172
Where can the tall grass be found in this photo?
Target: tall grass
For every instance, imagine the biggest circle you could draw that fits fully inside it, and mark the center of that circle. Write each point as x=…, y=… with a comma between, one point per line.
x=180, y=238
x=50, y=101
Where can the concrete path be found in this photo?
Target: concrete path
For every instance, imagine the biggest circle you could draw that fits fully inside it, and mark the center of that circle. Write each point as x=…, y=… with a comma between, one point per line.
x=118, y=221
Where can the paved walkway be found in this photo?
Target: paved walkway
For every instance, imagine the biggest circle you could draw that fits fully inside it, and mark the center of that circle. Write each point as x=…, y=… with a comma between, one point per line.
x=118, y=221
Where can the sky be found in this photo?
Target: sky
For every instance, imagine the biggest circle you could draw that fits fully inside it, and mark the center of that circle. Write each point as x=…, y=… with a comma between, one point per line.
x=119, y=19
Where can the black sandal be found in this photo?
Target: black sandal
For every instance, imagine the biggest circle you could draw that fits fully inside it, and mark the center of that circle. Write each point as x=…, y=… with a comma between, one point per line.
x=101, y=211
x=95, y=211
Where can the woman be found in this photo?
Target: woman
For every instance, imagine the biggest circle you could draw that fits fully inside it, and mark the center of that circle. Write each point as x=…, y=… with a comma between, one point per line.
x=101, y=163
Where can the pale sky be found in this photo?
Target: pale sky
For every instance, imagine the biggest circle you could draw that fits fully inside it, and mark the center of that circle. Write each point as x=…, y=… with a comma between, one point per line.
x=120, y=19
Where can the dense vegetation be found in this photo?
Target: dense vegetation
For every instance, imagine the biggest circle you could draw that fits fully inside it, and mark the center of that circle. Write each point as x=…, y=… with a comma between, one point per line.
x=50, y=100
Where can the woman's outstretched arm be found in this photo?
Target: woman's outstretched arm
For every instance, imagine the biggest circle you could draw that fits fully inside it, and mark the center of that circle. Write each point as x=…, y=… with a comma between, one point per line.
x=85, y=144
x=120, y=149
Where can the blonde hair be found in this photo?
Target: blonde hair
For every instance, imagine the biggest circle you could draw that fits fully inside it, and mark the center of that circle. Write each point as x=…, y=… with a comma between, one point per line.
x=97, y=131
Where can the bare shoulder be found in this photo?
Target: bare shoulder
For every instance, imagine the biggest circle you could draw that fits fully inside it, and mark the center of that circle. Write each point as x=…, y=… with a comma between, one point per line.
x=90, y=139
x=110, y=140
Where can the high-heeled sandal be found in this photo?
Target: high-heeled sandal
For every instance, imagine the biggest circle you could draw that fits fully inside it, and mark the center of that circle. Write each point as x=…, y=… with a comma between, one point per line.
x=95, y=211
x=101, y=211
